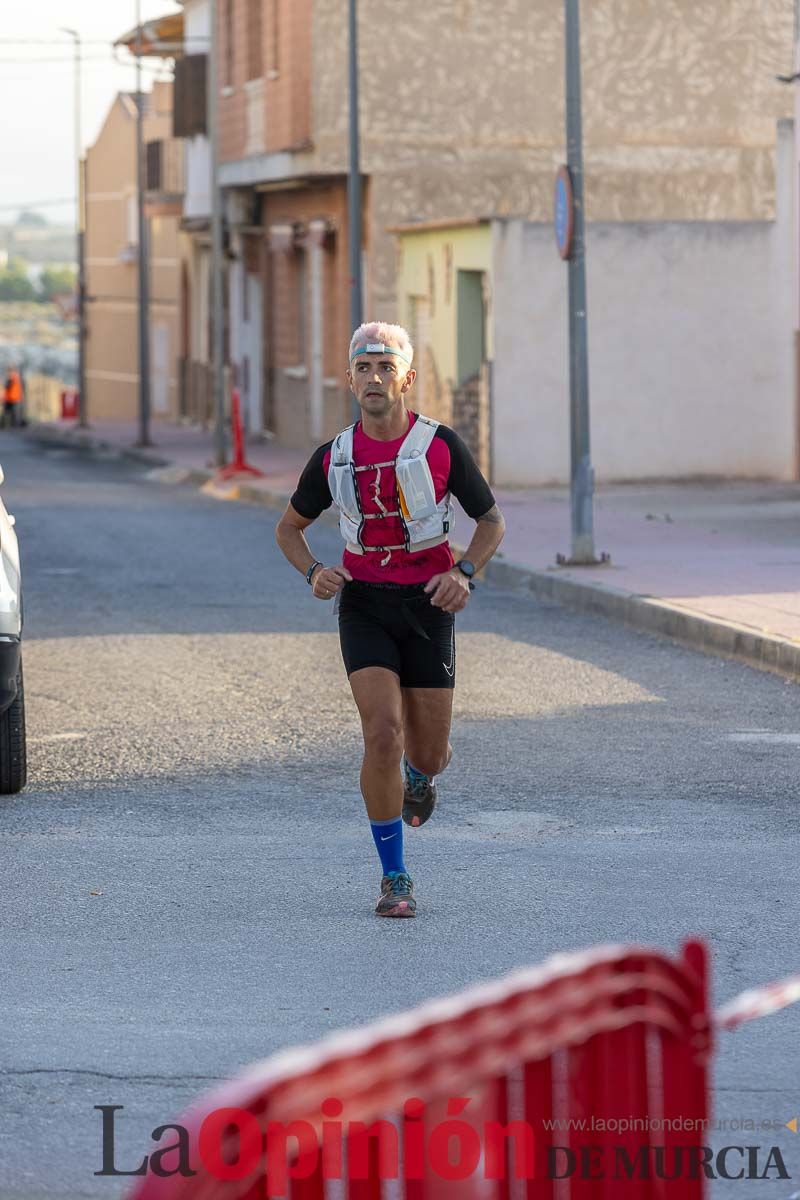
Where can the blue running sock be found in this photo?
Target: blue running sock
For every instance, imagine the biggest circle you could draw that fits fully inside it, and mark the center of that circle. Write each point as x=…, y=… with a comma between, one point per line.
x=414, y=773
x=388, y=837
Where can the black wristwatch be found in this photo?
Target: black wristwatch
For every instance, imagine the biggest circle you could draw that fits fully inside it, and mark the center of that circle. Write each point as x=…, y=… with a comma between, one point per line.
x=466, y=567
x=312, y=569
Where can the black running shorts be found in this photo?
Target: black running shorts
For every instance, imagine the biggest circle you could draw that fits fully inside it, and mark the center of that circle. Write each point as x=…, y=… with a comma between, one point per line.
x=396, y=626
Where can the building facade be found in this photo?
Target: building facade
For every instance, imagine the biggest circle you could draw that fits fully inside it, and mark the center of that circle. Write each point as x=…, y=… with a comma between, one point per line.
x=462, y=115
x=190, y=124
x=112, y=237
x=690, y=340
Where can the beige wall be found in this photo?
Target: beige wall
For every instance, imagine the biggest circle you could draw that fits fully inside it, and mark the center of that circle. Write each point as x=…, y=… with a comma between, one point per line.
x=690, y=347
x=680, y=105
x=112, y=273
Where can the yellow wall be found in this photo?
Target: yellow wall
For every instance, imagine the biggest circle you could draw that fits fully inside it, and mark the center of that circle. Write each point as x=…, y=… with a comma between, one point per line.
x=427, y=265
x=112, y=362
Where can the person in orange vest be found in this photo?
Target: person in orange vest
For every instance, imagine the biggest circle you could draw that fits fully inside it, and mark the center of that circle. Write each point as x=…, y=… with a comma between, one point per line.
x=12, y=398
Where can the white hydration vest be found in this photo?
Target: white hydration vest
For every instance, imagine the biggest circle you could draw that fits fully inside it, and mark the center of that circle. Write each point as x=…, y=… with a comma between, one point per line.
x=425, y=523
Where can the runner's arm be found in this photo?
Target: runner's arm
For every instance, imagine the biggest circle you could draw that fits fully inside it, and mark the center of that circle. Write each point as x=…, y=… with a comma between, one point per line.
x=450, y=590
x=489, y=531
x=310, y=499
x=291, y=538
x=473, y=493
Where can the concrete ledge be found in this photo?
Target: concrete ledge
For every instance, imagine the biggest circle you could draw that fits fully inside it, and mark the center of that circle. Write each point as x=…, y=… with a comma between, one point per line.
x=650, y=615
x=84, y=439
x=644, y=613
x=174, y=475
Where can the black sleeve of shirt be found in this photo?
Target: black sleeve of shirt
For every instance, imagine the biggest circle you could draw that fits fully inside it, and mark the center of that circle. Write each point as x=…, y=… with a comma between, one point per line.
x=312, y=495
x=465, y=480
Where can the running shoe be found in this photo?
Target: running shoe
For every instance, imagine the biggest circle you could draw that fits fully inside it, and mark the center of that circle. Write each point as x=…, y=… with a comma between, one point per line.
x=397, y=896
x=419, y=796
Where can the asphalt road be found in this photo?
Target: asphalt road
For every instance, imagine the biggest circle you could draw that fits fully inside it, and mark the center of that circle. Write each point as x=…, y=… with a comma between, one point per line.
x=188, y=879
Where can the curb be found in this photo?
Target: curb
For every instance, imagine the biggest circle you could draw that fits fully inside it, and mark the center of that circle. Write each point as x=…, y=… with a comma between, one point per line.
x=81, y=440
x=712, y=635
x=647, y=614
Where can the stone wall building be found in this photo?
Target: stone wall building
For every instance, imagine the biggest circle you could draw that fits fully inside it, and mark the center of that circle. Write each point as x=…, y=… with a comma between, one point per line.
x=462, y=116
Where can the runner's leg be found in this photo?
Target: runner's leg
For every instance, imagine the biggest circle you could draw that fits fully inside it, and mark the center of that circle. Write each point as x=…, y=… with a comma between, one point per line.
x=378, y=697
x=376, y=691
x=427, y=716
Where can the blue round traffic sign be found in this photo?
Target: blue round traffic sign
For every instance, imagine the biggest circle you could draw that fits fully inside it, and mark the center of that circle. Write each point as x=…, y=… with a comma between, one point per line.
x=564, y=212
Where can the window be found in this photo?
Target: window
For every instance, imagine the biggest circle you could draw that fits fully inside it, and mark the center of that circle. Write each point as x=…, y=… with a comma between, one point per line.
x=154, y=166
x=189, y=103
x=255, y=39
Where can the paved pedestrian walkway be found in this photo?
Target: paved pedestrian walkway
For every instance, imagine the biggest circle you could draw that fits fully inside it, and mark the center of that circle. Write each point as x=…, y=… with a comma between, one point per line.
x=725, y=553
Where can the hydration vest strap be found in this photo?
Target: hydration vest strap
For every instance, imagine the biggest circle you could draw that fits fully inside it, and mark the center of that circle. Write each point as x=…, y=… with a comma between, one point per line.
x=419, y=437
x=342, y=449
x=354, y=549
x=376, y=466
x=428, y=544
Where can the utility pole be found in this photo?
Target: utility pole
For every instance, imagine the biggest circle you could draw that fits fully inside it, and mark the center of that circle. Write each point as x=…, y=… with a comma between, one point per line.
x=581, y=472
x=217, y=279
x=144, y=266
x=80, y=232
x=796, y=246
x=354, y=187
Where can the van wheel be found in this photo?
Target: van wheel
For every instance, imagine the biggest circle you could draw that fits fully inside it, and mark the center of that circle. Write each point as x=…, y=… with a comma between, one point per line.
x=13, y=758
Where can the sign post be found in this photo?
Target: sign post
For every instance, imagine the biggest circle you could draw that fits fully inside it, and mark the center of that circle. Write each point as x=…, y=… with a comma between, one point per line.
x=570, y=238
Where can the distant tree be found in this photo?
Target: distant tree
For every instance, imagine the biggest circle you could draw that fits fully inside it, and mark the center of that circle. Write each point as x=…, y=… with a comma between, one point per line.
x=31, y=220
x=56, y=280
x=14, y=282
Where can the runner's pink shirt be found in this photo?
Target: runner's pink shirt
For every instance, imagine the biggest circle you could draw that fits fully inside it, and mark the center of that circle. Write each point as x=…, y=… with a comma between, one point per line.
x=453, y=469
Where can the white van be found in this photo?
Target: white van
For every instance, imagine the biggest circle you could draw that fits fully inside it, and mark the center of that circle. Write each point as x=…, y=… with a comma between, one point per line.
x=13, y=763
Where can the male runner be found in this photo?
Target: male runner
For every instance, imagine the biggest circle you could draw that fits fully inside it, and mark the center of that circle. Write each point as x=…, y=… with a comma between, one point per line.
x=398, y=588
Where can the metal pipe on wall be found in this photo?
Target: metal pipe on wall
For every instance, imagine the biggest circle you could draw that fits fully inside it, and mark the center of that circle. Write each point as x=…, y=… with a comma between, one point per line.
x=144, y=263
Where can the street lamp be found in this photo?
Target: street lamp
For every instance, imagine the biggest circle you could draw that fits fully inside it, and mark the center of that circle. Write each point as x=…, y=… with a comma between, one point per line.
x=354, y=184
x=80, y=231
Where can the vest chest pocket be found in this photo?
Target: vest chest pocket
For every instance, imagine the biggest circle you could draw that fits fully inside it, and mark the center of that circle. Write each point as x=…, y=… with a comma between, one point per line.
x=415, y=484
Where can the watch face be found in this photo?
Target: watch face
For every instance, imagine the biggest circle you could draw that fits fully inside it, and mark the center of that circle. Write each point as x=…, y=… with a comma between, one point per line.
x=466, y=567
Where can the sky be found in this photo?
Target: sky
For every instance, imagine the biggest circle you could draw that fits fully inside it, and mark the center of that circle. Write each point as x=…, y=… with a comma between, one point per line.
x=37, y=94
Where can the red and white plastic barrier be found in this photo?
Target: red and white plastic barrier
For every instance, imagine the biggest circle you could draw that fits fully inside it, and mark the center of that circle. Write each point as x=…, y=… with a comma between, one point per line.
x=592, y=1057
x=603, y=1035
x=758, y=1002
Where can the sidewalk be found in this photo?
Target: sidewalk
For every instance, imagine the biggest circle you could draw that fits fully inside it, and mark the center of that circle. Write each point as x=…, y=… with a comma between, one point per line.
x=714, y=565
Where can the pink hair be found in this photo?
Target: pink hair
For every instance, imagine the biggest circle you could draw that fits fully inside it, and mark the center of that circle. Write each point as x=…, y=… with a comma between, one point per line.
x=379, y=331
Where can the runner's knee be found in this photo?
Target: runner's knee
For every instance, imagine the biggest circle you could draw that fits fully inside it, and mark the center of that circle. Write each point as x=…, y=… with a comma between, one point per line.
x=430, y=762
x=383, y=739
